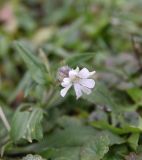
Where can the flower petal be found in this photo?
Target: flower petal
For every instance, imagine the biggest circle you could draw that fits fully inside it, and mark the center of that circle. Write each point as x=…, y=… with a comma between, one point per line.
x=84, y=73
x=73, y=74
x=77, y=89
x=89, y=83
x=77, y=69
x=66, y=82
x=92, y=73
x=64, y=91
x=86, y=90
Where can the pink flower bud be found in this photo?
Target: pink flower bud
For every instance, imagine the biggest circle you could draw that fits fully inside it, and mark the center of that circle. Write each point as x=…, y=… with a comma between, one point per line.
x=63, y=72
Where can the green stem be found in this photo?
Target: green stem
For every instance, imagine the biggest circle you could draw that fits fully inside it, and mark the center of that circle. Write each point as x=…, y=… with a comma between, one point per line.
x=4, y=119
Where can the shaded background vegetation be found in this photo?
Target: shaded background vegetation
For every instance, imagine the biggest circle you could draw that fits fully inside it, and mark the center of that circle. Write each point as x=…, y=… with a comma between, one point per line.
x=36, y=38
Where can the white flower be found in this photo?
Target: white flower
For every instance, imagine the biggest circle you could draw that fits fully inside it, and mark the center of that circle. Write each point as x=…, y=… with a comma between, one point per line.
x=80, y=80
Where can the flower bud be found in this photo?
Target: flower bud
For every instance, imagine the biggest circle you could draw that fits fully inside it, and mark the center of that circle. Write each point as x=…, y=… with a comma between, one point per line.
x=63, y=72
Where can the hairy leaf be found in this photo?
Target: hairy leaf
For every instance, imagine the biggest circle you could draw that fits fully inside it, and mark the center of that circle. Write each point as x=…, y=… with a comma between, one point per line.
x=27, y=125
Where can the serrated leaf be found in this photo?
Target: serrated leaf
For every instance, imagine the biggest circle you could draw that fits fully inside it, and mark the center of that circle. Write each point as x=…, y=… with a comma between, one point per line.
x=27, y=125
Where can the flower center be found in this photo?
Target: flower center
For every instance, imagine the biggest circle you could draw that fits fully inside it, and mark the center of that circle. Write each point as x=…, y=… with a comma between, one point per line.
x=75, y=79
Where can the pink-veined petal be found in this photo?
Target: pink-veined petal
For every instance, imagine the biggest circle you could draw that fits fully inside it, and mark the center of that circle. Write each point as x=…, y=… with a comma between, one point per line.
x=64, y=91
x=86, y=90
x=89, y=83
x=78, y=91
x=84, y=73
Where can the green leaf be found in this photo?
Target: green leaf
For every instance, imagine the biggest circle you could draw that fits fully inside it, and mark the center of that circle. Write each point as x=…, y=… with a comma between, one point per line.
x=77, y=59
x=135, y=94
x=76, y=141
x=116, y=152
x=113, y=138
x=27, y=54
x=35, y=66
x=70, y=136
x=73, y=140
x=112, y=157
x=133, y=140
x=91, y=150
x=27, y=125
x=65, y=153
x=66, y=143
x=101, y=95
x=95, y=149
x=125, y=129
